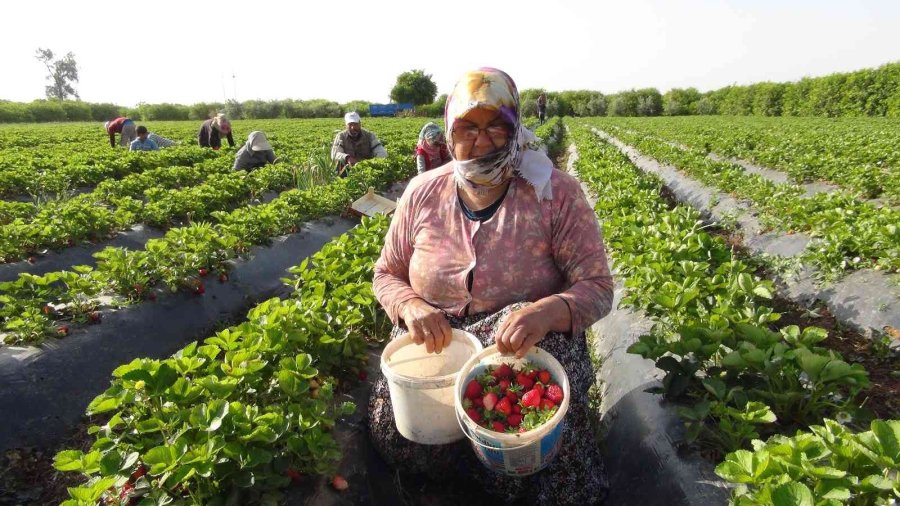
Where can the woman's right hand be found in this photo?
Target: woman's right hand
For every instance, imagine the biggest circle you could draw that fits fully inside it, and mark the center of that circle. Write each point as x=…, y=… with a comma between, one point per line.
x=427, y=325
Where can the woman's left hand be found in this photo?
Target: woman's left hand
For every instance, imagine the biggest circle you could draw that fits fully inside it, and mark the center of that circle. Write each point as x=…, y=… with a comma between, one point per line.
x=522, y=329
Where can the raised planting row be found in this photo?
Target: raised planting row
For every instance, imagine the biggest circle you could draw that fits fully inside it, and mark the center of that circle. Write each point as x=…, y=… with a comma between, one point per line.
x=236, y=418
x=35, y=307
x=738, y=375
x=859, y=154
x=848, y=234
x=551, y=136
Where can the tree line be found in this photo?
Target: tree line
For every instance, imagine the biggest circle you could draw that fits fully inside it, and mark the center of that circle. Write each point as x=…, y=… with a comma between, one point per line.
x=867, y=92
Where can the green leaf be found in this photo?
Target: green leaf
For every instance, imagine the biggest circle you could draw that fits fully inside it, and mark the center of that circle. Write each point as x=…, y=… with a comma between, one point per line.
x=68, y=460
x=161, y=459
x=888, y=435
x=792, y=494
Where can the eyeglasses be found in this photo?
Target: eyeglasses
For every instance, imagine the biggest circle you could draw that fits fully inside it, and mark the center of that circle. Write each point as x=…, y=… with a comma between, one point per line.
x=471, y=132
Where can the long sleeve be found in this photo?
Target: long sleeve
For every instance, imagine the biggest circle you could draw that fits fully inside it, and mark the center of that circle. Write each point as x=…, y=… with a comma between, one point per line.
x=578, y=250
x=270, y=156
x=337, y=150
x=377, y=147
x=391, y=282
x=230, y=139
x=112, y=139
x=420, y=164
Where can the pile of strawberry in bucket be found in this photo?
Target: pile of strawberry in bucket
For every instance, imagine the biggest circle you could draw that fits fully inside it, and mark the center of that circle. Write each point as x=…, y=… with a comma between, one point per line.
x=506, y=399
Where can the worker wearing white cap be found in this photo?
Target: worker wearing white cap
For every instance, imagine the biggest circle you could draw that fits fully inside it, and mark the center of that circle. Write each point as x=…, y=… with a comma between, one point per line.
x=354, y=144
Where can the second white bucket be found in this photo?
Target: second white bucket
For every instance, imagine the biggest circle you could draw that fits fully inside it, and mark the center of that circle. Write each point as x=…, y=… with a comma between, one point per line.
x=421, y=386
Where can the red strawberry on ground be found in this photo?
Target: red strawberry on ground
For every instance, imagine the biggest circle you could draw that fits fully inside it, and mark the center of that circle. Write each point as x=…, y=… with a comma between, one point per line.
x=473, y=390
x=293, y=474
x=532, y=398
x=498, y=426
x=489, y=400
x=223, y=277
x=339, y=483
x=504, y=406
x=504, y=371
x=514, y=420
x=544, y=376
x=203, y=271
x=199, y=289
x=151, y=296
x=63, y=330
x=554, y=393
x=94, y=316
x=32, y=260
x=525, y=381
x=474, y=414
x=547, y=404
x=47, y=309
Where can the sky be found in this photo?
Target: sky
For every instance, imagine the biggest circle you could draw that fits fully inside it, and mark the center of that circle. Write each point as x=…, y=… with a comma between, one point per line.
x=191, y=51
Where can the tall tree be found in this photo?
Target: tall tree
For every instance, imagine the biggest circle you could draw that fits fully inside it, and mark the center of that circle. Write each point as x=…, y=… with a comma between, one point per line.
x=61, y=73
x=414, y=86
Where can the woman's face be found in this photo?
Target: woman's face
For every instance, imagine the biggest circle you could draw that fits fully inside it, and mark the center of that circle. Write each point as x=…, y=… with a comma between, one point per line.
x=478, y=133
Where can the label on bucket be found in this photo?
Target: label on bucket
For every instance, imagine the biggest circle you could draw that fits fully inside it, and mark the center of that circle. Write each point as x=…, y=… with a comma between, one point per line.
x=522, y=461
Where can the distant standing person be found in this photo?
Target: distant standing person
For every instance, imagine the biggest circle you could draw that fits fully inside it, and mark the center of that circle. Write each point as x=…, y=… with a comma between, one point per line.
x=143, y=142
x=431, y=151
x=542, y=107
x=123, y=126
x=354, y=144
x=212, y=130
x=255, y=153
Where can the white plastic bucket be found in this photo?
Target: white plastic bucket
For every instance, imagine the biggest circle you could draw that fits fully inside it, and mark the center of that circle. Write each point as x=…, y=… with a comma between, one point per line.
x=421, y=386
x=518, y=454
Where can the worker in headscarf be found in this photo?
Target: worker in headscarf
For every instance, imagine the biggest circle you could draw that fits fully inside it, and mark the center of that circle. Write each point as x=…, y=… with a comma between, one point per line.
x=431, y=151
x=255, y=153
x=212, y=130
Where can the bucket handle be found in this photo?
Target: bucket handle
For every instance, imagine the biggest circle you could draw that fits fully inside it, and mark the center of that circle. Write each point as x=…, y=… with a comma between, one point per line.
x=465, y=429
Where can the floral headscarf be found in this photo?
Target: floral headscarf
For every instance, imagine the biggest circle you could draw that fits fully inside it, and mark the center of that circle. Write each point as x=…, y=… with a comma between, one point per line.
x=491, y=88
x=433, y=133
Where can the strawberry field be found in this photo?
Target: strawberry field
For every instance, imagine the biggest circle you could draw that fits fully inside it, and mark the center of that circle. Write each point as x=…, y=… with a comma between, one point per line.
x=221, y=351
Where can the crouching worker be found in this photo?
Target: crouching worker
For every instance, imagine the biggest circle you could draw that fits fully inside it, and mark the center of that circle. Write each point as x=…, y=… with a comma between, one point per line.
x=354, y=144
x=143, y=142
x=255, y=153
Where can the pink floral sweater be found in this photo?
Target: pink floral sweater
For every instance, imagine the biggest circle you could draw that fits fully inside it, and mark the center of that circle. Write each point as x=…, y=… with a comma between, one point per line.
x=526, y=251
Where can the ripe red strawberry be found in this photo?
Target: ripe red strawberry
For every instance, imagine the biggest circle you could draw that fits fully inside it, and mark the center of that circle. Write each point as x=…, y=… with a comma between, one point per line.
x=203, y=271
x=517, y=410
x=525, y=381
x=474, y=414
x=47, y=309
x=473, y=390
x=504, y=384
x=522, y=429
x=94, y=316
x=532, y=398
x=363, y=375
x=504, y=406
x=138, y=288
x=544, y=376
x=151, y=296
x=127, y=489
x=504, y=371
x=514, y=420
x=223, y=277
x=293, y=474
x=547, y=404
x=199, y=289
x=32, y=260
x=554, y=393
x=62, y=330
x=339, y=483
x=478, y=401
x=512, y=395
x=490, y=400
x=539, y=387
x=498, y=426
x=140, y=471
x=531, y=373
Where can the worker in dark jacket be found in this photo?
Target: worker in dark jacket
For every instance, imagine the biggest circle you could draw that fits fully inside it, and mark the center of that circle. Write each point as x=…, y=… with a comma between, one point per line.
x=212, y=130
x=255, y=153
x=354, y=144
x=123, y=126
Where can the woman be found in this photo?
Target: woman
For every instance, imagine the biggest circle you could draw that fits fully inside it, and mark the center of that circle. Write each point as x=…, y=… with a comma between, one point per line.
x=508, y=248
x=431, y=151
x=255, y=153
x=212, y=130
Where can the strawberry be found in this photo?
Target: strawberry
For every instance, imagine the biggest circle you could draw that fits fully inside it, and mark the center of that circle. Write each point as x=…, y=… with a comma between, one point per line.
x=151, y=296
x=473, y=390
x=223, y=277
x=504, y=406
x=478, y=401
x=504, y=384
x=532, y=398
x=504, y=371
x=32, y=260
x=474, y=414
x=293, y=474
x=531, y=372
x=490, y=400
x=94, y=316
x=512, y=395
x=522, y=429
x=363, y=375
x=140, y=471
x=517, y=410
x=525, y=381
x=339, y=483
x=544, y=376
x=539, y=387
x=547, y=404
x=514, y=420
x=199, y=289
x=47, y=309
x=203, y=271
x=70, y=242
x=62, y=330
x=554, y=393
x=498, y=426
x=127, y=489
x=138, y=288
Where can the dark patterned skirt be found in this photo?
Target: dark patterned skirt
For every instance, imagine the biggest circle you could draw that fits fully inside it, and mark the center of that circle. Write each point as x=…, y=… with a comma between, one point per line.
x=575, y=476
